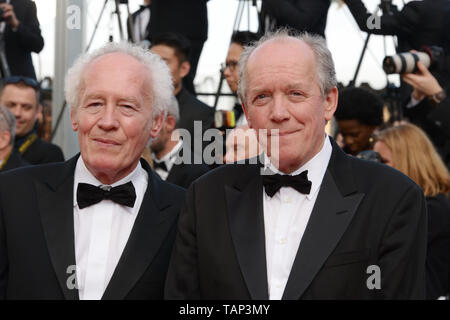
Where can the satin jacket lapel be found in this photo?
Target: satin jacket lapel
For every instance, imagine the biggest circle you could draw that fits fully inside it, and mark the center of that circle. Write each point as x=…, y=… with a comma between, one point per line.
x=245, y=214
x=333, y=211
x=149, y=231
x=55, y=204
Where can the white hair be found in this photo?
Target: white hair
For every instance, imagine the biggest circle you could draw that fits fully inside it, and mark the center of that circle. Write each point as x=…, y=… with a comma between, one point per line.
x=326, y=73
x=158, y=71
x=7, y=122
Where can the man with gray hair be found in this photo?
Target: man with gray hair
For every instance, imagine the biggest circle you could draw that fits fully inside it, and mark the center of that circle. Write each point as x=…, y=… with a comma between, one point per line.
x=168, y=151
x=101, y=225
x=9, y=158
x=308, y=221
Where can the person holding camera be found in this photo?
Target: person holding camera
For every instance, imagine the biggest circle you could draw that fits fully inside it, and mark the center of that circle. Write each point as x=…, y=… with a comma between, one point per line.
x=419, y=23
x=20, y=31
x=429, y=108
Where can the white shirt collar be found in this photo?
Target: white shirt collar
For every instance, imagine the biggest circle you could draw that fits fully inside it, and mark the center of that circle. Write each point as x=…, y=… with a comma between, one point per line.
x=316, y=167
x=169, y=159
x=83, y=175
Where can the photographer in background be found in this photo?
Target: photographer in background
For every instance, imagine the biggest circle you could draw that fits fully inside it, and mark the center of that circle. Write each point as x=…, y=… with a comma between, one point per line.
x=418, y=24
x=21, y=34
x=429, y=108
x=301, y=15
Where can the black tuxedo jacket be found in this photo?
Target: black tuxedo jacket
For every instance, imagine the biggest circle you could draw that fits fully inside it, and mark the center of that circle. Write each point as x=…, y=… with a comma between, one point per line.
x=27, y=39
x=365, y=214
x=37, y=236
x=438, y=250
x=14, y=161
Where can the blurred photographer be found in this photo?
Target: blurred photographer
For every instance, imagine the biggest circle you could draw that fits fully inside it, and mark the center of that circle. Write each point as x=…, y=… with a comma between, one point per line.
x=301, y=15
x=429, y=108
x=21, y=34
x=418, y=24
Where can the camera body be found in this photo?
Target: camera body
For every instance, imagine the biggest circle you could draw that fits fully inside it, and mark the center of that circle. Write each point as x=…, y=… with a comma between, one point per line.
x=406, y=62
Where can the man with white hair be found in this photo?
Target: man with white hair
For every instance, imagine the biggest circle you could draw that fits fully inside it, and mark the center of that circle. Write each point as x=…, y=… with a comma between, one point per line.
x=9, y=158
x=101, y=225
x=309, y=221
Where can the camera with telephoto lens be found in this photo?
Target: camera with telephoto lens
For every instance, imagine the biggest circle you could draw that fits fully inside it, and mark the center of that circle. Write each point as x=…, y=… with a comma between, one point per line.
x=406, y=62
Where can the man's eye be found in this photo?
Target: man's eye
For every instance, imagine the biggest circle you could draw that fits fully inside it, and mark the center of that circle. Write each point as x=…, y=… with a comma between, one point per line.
x=94, y=104
x=261, y=96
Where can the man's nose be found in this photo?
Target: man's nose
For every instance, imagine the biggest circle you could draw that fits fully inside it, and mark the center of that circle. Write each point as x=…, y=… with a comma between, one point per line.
x=279, y=110
x=17, y=111
x=108, y=118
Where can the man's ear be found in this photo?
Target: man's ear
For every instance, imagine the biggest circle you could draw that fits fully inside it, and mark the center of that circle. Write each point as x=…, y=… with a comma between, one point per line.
x=170, y=123
x=330, y=103
x=74, y=119
x=156, y=125
x=5, y=139
x=185, y=67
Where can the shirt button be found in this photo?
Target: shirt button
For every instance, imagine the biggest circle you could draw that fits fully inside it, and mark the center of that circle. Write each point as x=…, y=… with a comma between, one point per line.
x=282, y=240
x=288, y=200
x=278, y=286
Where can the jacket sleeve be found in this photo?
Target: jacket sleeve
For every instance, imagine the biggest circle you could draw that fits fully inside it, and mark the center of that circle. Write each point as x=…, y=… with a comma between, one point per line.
x=402, y=253
x=402, y=23
x=182, y=276
x=296, y=14
x=29, y=32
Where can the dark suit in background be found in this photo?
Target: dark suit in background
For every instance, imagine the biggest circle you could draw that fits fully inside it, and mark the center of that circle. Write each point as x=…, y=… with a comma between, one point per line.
x=40, y=151
x=38, y=202
x=135, y=19
x=27, y=39
x=365, y=214
x=14, y=161
x=184, y=174
x=301, y=15
x=192, y=109
x=187, y=17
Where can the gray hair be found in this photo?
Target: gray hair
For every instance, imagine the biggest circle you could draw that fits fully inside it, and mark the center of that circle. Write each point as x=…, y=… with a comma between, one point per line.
x=158, y=71
x=7, y=122
x=173, y=109
x=326, y=73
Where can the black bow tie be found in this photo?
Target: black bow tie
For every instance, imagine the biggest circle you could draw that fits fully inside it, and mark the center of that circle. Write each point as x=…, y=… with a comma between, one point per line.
x=273, y=182
x=88, y=194
x=161, y=165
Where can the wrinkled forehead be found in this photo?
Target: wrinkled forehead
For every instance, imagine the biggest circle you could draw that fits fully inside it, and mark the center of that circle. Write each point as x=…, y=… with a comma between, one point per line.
x=120, y=66
x=117, y=64
x=289, y=53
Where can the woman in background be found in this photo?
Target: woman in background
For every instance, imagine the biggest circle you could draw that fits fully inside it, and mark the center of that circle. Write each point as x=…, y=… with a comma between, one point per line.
x=407, y=148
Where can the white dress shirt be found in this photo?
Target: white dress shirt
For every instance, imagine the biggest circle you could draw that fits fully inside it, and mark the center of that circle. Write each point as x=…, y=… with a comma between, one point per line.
x=286, y=215
x=168, y=159
x=102, y=231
